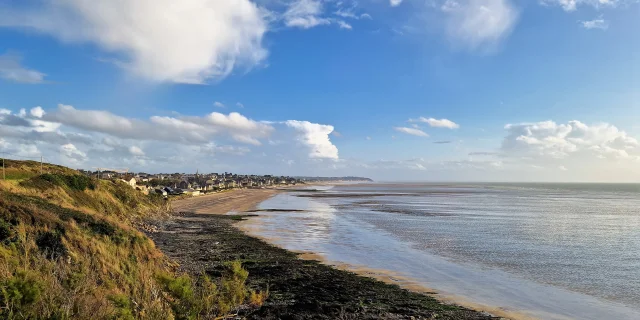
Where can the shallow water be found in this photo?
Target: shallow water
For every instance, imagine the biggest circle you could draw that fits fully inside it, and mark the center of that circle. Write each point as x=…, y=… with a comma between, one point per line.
x=555, y=251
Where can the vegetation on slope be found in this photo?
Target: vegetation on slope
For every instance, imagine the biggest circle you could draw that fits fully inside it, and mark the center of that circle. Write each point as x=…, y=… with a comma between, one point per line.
x=68, y=250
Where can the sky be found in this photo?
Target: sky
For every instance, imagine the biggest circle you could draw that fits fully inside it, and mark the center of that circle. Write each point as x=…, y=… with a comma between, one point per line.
x=394, y=90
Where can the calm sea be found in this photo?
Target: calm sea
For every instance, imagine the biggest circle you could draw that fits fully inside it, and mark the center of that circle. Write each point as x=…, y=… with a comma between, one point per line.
x=549, y=251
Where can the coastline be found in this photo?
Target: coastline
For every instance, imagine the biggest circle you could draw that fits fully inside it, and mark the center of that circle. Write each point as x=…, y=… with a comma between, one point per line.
x=204, y=236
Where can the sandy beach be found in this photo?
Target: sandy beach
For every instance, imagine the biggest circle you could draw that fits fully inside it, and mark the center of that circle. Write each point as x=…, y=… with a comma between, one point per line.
x=224, y=202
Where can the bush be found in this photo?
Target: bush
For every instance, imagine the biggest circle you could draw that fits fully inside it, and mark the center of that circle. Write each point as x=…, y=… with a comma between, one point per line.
x=257, y=298
x=5, y=230
x=74, y=182
x=179, y=287
x=51, y=244
x=123, y=307
x=233, y=291
x=21, y=290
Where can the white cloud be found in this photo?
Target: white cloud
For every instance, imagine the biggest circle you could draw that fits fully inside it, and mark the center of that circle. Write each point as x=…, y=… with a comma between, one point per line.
x=344, y=25
x=412, y=131
x=316, y=137
x=11, y=69
x=212, y=148
x=88, y=138
x=549, y=140
x=72, y=154
x=595, y=24
x=239, y=105
x=218, y=104
x=37, y=112
x=190, y=130
x=136, y=151
x=572, y=5
x=395, y=3
x=480, y=24
x=305, y=14
x=159, y=40
x=437, y=123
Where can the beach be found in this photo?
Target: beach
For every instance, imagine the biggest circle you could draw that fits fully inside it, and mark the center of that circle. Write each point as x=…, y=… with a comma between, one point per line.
x=224, y=202
x=200, y=237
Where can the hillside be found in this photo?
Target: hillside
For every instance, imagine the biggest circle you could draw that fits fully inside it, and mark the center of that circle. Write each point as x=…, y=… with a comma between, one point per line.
x=69, y=250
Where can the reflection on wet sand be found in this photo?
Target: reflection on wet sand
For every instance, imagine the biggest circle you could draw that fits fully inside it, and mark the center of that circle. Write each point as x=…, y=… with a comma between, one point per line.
x=351, y=234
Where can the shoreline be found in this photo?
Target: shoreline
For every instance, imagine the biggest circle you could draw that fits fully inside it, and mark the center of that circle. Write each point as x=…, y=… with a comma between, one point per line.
x=394, y=278
x=203, y=237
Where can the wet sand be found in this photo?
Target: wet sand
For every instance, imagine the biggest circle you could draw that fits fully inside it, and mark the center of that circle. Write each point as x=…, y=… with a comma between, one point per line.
x=224, y=202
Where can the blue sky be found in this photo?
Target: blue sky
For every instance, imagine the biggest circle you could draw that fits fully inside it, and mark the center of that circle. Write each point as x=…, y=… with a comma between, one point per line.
x=531, y=90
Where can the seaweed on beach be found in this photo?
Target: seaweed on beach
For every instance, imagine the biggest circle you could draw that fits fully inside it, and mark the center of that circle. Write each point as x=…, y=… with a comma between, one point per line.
x=298, y=289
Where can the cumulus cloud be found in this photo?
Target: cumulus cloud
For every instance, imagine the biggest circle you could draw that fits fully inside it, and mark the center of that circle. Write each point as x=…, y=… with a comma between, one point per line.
x=395, y=3
x=11, y=69
x=548, y=139
x=412, y=131
x=218, y=104
x=184, y=129
x=159, y=40
x=86, y=138
x=437, y=123
x=305, y=14
x=37, y=112
x=72, y=154
x=316, y=138
x=8, y=118
x=479, y=24
x=595, y=24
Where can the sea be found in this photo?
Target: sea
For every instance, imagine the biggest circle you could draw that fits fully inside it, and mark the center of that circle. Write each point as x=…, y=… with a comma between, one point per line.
x=525, y=251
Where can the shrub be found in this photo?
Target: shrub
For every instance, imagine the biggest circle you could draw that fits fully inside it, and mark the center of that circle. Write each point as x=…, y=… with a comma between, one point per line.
x=233, y=291
x=123, y=306
x=5, y=230
x=257, y=298
x=179, y=287
x=51, y=244
x=19, y=291
x=74, y=182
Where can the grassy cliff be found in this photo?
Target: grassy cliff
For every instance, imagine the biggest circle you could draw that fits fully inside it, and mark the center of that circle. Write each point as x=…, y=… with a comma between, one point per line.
x=69, y=250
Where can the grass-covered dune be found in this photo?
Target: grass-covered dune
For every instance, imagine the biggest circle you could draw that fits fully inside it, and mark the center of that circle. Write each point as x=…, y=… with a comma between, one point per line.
x=69, y=249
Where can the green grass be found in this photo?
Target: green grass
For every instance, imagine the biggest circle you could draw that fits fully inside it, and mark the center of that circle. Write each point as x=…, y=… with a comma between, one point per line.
x=69, y=250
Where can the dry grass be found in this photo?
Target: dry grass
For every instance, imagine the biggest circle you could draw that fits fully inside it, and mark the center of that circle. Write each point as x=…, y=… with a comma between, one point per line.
x=68, y=250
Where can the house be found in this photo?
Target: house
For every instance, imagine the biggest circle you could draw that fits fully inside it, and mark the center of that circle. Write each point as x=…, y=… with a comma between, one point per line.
x=229, y=184
x=143, y=189
x=184, y=184
x=131, y=182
